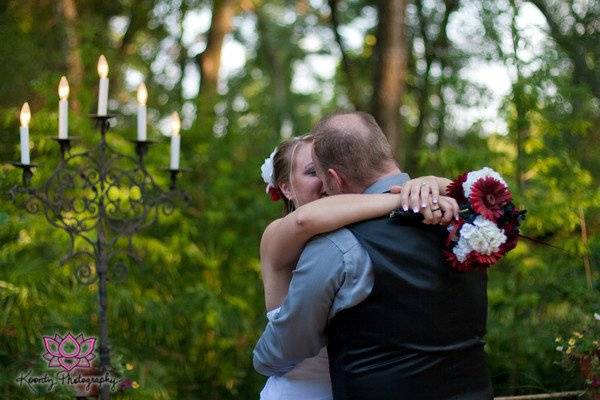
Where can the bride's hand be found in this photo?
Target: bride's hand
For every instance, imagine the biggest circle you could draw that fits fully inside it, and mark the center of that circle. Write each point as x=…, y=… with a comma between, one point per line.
x=423, y=195
x=415, y=193
x=440, y=213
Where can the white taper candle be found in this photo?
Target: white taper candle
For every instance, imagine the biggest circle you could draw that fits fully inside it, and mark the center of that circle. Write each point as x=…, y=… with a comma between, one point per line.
x=142, y=97
x=103, y=88
x=63, y=119
x=141, y=123
x=24, y=145
x=175, y=147
x=25, y=117
x=63, y=109
x=175, y=140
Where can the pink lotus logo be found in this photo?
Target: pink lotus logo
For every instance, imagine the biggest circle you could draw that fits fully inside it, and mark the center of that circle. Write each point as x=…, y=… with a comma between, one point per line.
x=69, y=352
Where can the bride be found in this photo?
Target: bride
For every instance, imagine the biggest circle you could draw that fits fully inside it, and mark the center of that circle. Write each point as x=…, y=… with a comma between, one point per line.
x=290, y=177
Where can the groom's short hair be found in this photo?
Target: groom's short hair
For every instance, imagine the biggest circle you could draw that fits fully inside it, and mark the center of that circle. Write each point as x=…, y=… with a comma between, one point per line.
x=353, y=144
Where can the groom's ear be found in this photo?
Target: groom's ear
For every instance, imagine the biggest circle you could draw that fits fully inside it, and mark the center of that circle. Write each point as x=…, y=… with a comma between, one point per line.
x=336, y=180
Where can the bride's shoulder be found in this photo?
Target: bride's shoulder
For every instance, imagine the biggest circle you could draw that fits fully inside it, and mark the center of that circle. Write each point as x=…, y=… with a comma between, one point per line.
x=271, y=231
x=271, y=228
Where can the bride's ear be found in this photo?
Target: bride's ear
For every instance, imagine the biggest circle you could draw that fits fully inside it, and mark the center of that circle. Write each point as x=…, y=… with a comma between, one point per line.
x=286, y=189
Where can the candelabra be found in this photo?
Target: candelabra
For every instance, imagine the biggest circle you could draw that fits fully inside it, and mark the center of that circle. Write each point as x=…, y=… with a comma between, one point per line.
x=99, y=197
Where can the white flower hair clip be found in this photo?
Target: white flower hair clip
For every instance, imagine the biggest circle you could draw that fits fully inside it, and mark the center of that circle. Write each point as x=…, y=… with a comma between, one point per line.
x=267, y=173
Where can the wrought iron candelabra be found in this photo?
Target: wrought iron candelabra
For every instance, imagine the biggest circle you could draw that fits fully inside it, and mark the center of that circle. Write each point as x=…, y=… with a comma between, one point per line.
x=99, y=197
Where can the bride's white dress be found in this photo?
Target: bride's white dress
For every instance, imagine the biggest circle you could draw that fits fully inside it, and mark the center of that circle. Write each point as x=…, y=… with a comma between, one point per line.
x=309, y=380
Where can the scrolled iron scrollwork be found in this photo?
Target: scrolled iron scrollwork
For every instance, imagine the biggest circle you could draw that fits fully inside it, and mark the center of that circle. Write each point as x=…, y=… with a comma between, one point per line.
x=118, y=272
x=86, y=274
x=33, y=205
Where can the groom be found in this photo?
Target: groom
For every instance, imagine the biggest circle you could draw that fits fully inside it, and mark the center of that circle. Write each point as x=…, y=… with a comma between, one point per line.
x=398, y=323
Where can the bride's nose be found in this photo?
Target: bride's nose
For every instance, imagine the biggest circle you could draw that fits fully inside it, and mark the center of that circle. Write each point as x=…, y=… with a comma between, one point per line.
x=323, y=192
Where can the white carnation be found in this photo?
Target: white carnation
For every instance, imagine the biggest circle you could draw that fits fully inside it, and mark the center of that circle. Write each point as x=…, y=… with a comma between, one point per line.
x=474, y=176
x=597, y=316
x=266, y=170
x=482, y=236
x=462, y=250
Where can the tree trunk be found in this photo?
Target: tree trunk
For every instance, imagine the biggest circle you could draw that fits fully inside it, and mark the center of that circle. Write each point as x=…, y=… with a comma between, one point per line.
x=139, y=16
x=353, y=92
x=520, y=128
x=390, y=72
x=436, y=49
x=274, y=60
x=68, y=13
x=451, y=6
x=587, y=264
x=209, y=63
x=520, y=131
x=209, y=60
x=182, y=57
x=415, y=140
x=441, y=112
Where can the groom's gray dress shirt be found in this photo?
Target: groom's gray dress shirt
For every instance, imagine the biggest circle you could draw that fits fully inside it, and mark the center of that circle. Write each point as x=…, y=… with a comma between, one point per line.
x=333, y=273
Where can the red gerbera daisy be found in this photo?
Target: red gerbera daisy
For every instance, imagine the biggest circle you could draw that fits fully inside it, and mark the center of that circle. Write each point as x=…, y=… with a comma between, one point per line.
x=469, y=264
x=511, y=242
x=488, y=196
x=455, y=189
x=453, y=230
x=275, y=193
x=486, y=259
x=455, y=264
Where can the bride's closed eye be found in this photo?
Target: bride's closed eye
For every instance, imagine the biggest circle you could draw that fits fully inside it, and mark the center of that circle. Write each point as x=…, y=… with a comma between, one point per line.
x=310, y=171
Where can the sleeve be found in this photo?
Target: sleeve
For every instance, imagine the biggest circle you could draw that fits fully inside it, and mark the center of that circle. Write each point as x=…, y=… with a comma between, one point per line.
x=297, y=330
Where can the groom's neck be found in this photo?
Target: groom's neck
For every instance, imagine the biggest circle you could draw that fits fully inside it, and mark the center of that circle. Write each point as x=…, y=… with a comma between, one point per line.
x=390, y=171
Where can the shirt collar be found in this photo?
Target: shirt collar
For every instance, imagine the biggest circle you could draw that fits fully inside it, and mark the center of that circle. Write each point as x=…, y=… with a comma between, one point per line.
x=383, y=185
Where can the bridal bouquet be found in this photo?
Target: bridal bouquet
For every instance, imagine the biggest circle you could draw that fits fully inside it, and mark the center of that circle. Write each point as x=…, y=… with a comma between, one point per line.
x=488, y=226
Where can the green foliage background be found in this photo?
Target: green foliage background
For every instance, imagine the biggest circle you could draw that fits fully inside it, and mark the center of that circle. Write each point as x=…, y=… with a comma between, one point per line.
x=184, y=323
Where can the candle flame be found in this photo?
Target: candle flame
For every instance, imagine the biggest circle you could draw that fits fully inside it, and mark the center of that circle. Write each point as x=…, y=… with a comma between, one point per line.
x=63, y=88
x=25, y=115
x=175, y=124
x=102, y=67
x=142, y=94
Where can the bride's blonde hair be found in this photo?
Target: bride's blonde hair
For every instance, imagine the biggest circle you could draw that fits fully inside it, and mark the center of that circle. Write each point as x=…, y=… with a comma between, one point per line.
x=283, y=166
